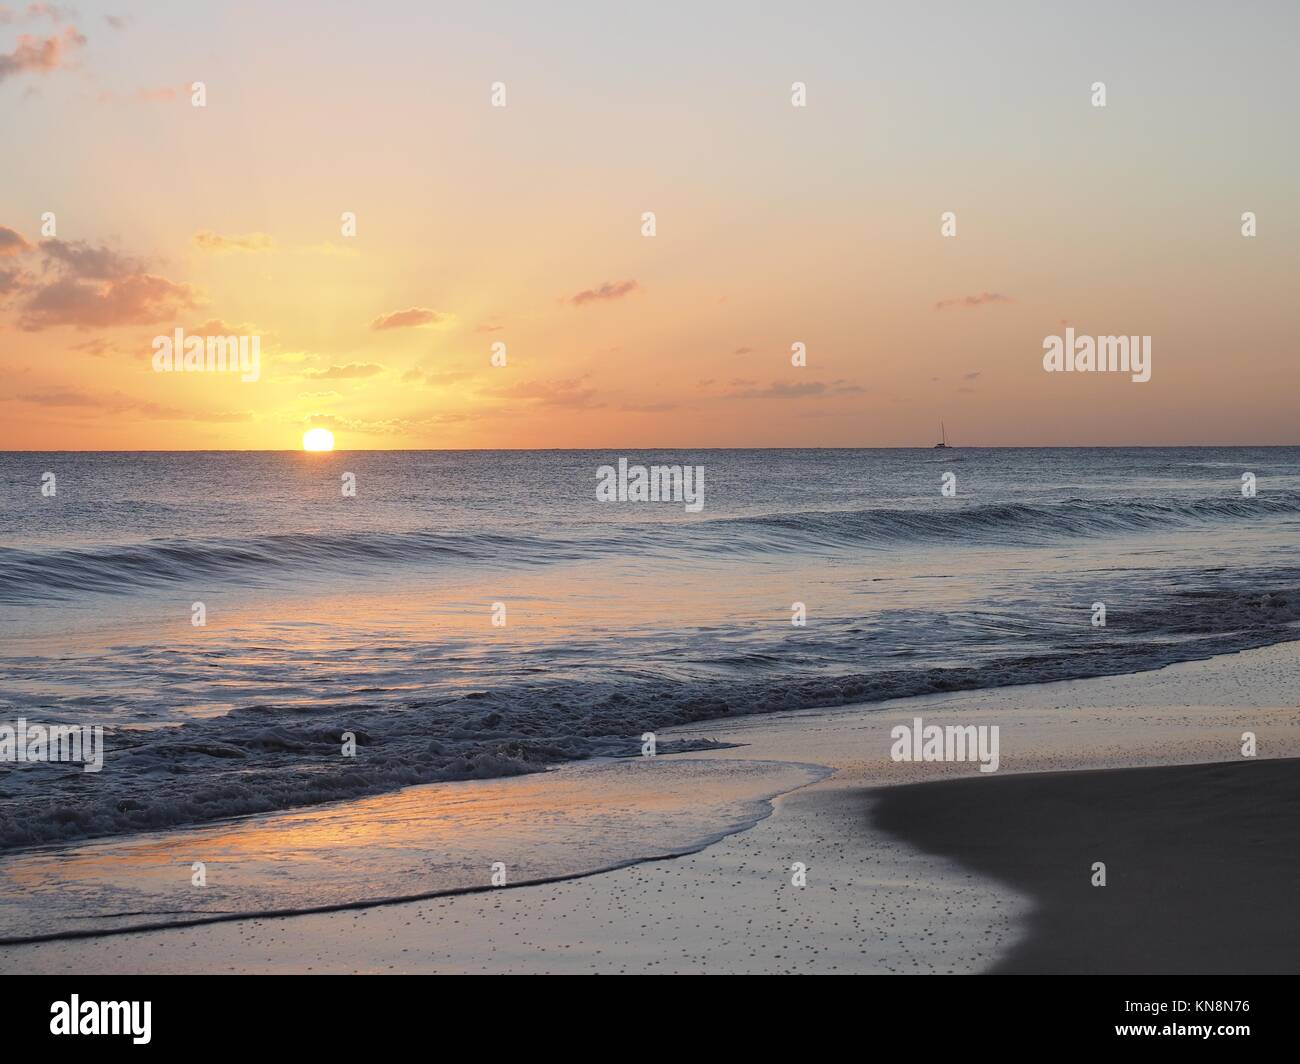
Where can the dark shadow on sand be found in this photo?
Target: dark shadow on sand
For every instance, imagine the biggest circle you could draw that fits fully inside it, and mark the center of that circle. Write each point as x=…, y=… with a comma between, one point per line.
x=1202, y=862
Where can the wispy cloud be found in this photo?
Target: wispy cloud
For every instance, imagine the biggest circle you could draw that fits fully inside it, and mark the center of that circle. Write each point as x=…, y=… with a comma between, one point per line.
x=206, y=240
x=608, y=291
x=800, y=390
x=650, y=408
x=391, y=426
x=973, y=301
x=96, y=346
x=163, y=94
x=569, y=393
x=117, y=403
x=221, y=327
x=434, y=377
x=351, y=371
x=407, y=319
x=32, y=12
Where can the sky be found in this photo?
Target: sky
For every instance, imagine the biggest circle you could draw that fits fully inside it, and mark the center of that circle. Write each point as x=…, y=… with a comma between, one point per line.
x=522, y=224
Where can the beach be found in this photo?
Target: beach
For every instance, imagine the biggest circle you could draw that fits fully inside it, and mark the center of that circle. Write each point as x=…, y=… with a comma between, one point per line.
x=1182, y=845
x=724, y=488
x=918, y=867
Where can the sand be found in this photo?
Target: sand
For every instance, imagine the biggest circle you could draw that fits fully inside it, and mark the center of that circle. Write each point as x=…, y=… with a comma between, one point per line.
x=887, y=889
x=1202, y=862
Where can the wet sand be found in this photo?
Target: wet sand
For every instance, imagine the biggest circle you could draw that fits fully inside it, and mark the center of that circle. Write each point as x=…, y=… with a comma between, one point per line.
x=875, y=900
x=1202, y=862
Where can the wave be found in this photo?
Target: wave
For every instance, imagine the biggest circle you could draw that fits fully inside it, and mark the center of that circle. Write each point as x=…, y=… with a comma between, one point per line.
x=1016, y=524
x=266, y=757
x=27, y=575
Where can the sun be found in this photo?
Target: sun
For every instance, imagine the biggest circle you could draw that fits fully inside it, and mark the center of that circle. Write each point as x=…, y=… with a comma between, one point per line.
x=318, y=440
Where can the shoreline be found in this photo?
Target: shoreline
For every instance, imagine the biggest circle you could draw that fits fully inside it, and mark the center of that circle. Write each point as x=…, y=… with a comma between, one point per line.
x=423, y=842
x=874, y=902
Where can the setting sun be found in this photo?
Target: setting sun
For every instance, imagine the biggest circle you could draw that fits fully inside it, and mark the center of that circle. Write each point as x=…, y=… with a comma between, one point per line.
x=318, y=440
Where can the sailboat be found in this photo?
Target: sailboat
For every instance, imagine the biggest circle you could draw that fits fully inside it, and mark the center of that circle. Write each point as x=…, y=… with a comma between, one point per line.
x=943, y=432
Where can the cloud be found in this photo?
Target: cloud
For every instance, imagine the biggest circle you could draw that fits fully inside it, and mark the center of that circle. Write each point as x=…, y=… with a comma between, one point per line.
x=570, y=393
x=607, y=291
x=220, y=327
x=117, y=403
x=649, y=408
x=325, y=421
x=40, y=56
x=12, y=243
x=137, y=300
x=11, y=281
x=416, y=375
x=205, y=240
x=34, y=11
x=802, y=390
x=973, y=301
x=349, y=372
x=97, y=287
x=87, y=261
x=393, y=426
x=53, y=12
x=406, y=319
x=96, y=346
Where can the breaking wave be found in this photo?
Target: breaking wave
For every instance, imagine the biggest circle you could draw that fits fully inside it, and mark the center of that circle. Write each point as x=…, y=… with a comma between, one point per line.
x=31, y=575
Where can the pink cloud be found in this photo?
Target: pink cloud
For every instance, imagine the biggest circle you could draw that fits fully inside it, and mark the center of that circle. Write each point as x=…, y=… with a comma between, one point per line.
x=40, y=56
x=973, y=301
x=607, y=291
x=406, y=319
x=96, y=287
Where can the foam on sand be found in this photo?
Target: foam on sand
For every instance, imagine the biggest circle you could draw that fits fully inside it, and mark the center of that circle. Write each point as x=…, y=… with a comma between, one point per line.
x=421, y=841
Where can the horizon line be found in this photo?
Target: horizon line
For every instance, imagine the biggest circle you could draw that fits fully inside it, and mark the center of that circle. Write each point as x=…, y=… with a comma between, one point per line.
x=656, y=447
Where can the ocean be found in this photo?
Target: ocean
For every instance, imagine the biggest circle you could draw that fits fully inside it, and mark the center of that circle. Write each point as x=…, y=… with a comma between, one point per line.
x=470, y=615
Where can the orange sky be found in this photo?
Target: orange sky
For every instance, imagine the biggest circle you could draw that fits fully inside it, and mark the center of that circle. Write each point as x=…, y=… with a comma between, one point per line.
x=523, y=225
